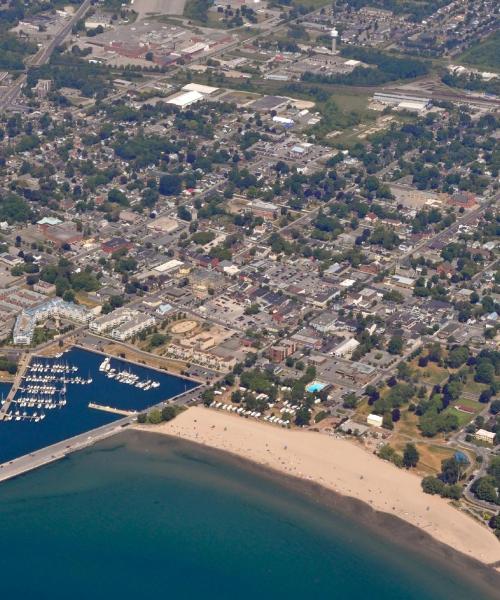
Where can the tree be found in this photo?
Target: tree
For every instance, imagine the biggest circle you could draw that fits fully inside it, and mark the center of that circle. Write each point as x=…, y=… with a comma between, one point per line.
x=207, y=397
x=450, y=471
x=453, y=389
x=350, y=400
x=432, y=485
x=395, y=345
x=495, y=407
x=303, y=416
x=410, y=456
x=168, y=413
x=404, y=371
x=387, y=421
x=154, y=417
x=183, y=213
x=457, y=357
x=485, y=396
x=485, y=372
x=117, y=196
x=170, y=185
x=252, y=309
x=484, y=488
x=157, y=339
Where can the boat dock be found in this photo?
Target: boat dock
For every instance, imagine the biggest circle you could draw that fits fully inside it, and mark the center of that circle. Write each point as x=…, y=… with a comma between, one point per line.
x=111, y=409
x=22, y=367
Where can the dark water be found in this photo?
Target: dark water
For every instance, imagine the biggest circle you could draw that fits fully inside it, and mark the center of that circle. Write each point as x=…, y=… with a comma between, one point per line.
x=141, y=517
x=22, y=437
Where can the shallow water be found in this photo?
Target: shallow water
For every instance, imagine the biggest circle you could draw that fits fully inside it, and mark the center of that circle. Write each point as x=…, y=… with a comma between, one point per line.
x=144, y=516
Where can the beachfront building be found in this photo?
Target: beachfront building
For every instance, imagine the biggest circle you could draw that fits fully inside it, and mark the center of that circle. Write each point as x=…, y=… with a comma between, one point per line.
x=56, y=308
x=482, y=435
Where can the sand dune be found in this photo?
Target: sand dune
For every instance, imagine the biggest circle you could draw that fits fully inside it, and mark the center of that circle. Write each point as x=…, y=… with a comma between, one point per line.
x=339, y=465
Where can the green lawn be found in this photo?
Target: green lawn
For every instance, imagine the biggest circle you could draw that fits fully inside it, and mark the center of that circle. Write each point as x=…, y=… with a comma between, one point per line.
x=464, y=418
x=473, y=387
x=312, y=4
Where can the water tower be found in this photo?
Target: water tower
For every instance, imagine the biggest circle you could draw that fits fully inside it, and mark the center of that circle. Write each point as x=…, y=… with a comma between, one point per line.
x=334, y=35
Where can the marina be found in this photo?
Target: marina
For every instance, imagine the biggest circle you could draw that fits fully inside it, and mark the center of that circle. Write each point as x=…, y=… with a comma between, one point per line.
x=54, y=399
x=126, y=376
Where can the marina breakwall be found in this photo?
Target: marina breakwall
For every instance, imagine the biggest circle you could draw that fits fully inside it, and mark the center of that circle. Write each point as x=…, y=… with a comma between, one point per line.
x=44, y=456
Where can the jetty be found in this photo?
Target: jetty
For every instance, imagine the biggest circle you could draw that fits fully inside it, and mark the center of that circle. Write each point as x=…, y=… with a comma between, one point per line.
x=111, y=409
x=22, y=367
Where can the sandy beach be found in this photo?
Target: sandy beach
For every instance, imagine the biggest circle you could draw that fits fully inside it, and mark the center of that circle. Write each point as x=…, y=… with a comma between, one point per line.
x=338, y=465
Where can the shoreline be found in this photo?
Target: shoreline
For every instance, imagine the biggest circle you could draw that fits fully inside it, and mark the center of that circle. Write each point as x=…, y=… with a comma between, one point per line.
x=339, y=466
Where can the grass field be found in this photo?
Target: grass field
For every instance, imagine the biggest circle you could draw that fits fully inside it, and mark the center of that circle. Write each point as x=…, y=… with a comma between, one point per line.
x=312, y=4
x=431, y=456
x=473, y=387
x=431, y=374
x=464, y=418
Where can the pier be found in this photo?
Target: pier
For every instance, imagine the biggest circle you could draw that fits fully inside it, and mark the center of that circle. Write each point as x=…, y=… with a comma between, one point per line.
x=22, y=367
x=49, y=454
x=111, y=409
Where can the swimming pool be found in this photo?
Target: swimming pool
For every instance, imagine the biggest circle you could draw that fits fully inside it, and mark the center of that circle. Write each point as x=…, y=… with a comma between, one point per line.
x=315, y=386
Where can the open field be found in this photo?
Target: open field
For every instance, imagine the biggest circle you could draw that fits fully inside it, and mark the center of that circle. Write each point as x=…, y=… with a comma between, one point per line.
x=432, y=374
x=431, y=454
x=162, y=7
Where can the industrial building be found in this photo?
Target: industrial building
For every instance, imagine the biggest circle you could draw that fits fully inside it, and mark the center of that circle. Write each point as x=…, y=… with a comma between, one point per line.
x=184, y=99
x=403, y=101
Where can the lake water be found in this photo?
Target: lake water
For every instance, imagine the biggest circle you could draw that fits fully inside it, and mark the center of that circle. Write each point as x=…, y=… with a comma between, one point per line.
x=142, y=516
x=22, y=437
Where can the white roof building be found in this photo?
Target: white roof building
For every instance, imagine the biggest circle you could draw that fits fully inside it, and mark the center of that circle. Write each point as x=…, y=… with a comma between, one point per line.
x=202, y=89
x=170, y=265
x=485, y=436
x=185, y=99
x=346, y=347
x=375, y=420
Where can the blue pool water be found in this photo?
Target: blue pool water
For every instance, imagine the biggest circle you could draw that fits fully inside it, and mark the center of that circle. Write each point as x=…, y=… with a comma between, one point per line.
x=315, y=386
x=22, y=437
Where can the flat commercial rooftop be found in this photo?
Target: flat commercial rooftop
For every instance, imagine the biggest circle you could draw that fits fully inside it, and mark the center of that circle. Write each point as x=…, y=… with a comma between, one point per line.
x=202, y=89
x=185, y=98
